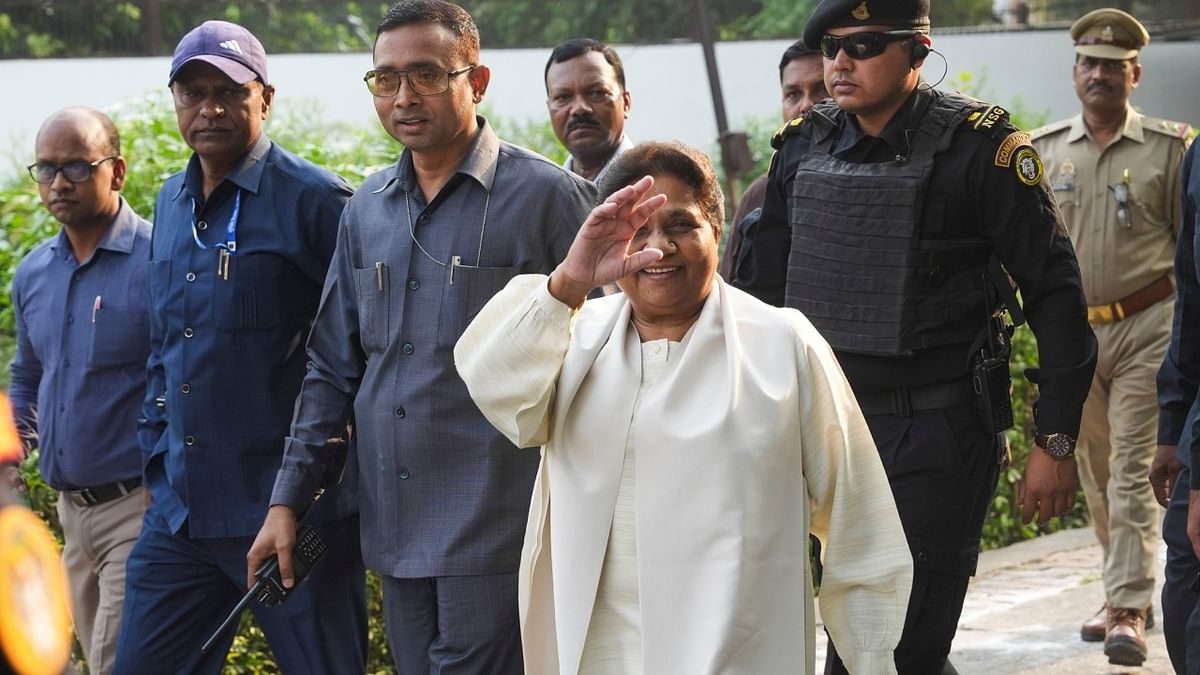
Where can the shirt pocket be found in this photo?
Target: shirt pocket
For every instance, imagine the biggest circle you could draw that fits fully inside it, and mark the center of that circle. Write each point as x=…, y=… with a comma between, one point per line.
x=120, y=338
x=461, y=301
x=1146, y=202
x=373, y=294
x=249, y=299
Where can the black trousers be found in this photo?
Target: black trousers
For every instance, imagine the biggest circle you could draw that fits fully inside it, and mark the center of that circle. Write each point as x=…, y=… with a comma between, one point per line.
x=1180, y=605
x=943, y=470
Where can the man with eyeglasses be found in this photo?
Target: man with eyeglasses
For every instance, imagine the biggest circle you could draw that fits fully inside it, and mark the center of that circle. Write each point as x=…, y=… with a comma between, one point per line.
x=588, y=104
x=893, y=218
x=423, y=245
x=1115, y=175
x=78, y=377
x=242, y=239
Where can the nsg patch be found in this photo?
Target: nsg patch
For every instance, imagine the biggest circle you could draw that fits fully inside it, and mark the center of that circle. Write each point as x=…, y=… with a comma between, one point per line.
x=1028, y=166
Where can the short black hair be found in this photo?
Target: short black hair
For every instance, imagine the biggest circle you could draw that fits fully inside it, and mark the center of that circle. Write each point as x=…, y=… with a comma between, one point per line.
x=670, y=158
x=793, y=52
x=580, y=46
x=445, y=14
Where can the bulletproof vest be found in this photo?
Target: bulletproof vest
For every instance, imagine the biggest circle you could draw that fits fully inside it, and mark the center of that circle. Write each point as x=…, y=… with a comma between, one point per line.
x=859, y=267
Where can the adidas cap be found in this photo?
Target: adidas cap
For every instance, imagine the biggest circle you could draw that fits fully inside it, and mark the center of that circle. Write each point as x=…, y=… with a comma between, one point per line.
x=232, y=49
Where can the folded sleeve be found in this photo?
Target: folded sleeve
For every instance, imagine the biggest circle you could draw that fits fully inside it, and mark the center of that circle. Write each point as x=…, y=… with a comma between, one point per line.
x=510, y=357
x=867, y=574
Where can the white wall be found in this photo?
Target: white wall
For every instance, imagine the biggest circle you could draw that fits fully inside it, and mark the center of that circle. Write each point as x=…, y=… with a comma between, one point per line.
x=668, y=83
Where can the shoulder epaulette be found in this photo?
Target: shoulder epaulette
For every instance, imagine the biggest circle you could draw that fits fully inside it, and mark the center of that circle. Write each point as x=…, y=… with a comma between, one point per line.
x=1051, y=128
x=792, y=127
x=1181, y=130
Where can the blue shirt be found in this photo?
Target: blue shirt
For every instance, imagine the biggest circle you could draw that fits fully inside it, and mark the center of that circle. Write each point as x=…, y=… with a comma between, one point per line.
x=79, y=375
x=1179, y=377
x=443, y=493
x=227, y=355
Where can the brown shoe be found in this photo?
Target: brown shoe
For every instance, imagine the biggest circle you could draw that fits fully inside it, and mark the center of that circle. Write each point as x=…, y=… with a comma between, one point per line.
x=1125, y=644
x=1095, y=628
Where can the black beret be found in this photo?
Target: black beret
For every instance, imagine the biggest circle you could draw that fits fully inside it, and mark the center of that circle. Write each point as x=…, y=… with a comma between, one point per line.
x=895, y=14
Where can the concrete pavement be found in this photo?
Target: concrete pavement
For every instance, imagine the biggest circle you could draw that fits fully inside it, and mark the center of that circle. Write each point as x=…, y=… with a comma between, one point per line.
x=1024, y=609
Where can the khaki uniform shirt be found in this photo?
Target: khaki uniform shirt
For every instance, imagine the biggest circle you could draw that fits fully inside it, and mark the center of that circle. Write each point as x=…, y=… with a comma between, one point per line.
x=1145, y=155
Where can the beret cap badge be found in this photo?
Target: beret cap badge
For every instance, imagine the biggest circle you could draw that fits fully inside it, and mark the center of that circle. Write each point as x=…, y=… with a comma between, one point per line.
x=861, y=12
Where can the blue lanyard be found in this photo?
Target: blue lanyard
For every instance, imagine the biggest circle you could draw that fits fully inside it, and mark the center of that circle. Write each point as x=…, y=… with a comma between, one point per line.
x=230, y=243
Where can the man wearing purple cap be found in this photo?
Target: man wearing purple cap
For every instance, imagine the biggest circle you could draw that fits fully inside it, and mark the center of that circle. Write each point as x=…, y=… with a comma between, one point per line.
x=242, y=239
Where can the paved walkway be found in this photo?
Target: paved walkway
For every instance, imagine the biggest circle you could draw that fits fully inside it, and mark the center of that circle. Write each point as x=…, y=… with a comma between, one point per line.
x=1024, y=608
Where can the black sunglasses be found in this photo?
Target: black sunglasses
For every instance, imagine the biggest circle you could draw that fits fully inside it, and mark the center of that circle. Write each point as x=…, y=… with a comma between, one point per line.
x=862, y=45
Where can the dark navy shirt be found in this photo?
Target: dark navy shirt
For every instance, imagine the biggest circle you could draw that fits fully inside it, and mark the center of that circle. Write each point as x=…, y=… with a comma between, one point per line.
x=443, y=493
x=227, y=355
x=79, y=375
x=1179, y=377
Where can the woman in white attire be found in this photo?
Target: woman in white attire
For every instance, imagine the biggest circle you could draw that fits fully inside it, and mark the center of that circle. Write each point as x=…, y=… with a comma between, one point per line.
x=693, y=436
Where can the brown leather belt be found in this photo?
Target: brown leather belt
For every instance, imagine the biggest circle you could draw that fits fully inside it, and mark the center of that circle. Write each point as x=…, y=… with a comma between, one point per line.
x=1133, y=303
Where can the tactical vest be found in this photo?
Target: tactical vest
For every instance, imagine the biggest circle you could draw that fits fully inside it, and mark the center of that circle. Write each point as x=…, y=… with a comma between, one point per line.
x=859, y=268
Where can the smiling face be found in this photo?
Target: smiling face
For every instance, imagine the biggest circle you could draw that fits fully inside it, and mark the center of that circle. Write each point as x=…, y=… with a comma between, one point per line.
x=219, y=118
x=429, y=126
x=588, y=106
x=77, y=137
x=672, y=291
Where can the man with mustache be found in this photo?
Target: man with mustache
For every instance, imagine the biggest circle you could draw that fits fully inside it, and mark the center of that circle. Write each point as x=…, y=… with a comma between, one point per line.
x=1115, y=175
x=79, y=374
x=889, y=212
x=588, y=104
x=242, y=239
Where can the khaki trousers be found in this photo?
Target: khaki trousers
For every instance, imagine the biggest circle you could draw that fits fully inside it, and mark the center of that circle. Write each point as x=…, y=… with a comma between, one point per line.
x=1116, y=445
x=97, y=541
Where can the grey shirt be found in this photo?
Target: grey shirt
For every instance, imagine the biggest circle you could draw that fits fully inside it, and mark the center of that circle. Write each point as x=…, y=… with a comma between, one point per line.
x=442, y=493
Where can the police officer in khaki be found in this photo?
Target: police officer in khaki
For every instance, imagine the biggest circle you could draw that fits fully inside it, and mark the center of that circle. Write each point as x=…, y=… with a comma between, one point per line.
x=1115, y=174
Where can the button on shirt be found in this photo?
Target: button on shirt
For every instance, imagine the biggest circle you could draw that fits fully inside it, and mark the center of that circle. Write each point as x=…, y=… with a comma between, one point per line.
x=79, y=375
x=443, y=492
x=227, y=355
x=1145, y=156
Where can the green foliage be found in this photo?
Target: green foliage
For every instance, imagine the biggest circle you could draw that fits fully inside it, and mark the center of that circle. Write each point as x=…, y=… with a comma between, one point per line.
x=121, y=27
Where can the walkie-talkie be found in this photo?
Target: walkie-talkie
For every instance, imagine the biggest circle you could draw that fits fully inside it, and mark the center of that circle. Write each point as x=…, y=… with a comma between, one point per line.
x=268, y=589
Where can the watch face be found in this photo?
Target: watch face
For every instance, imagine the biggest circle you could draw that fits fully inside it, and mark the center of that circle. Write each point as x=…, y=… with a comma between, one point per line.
x=1059, y=446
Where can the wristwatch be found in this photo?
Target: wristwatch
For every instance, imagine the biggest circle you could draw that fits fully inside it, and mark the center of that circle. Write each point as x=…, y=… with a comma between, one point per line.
x=1058, y=446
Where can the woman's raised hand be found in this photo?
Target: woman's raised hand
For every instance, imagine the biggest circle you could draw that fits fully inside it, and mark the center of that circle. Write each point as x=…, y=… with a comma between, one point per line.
x=600, y=253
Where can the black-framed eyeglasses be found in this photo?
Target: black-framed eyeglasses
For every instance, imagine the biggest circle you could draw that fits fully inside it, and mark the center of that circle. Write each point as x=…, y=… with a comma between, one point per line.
x=1120, y=193
x=862, y=45
x=76, y=172
x=424, y=81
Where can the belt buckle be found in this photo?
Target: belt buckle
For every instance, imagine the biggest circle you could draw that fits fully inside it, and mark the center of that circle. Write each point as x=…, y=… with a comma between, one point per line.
x=1101, y=314
x=83, y=497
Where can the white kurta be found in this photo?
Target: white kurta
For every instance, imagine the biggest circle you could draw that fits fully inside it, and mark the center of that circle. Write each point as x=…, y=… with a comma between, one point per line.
x=747, y=439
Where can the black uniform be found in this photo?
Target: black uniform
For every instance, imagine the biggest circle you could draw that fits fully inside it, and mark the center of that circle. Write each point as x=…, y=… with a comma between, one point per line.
x=909, y=359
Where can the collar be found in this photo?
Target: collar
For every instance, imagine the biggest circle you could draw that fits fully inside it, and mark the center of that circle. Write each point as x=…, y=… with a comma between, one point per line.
x=118, y=238
x=479, y=162
x=246, y=175
x=622, y=146
x=1132, y=129
x=896, y=132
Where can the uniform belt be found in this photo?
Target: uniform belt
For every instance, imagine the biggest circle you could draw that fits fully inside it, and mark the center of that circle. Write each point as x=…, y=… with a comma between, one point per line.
x=906, y=401
x=102, y=493
x=1133, y=303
